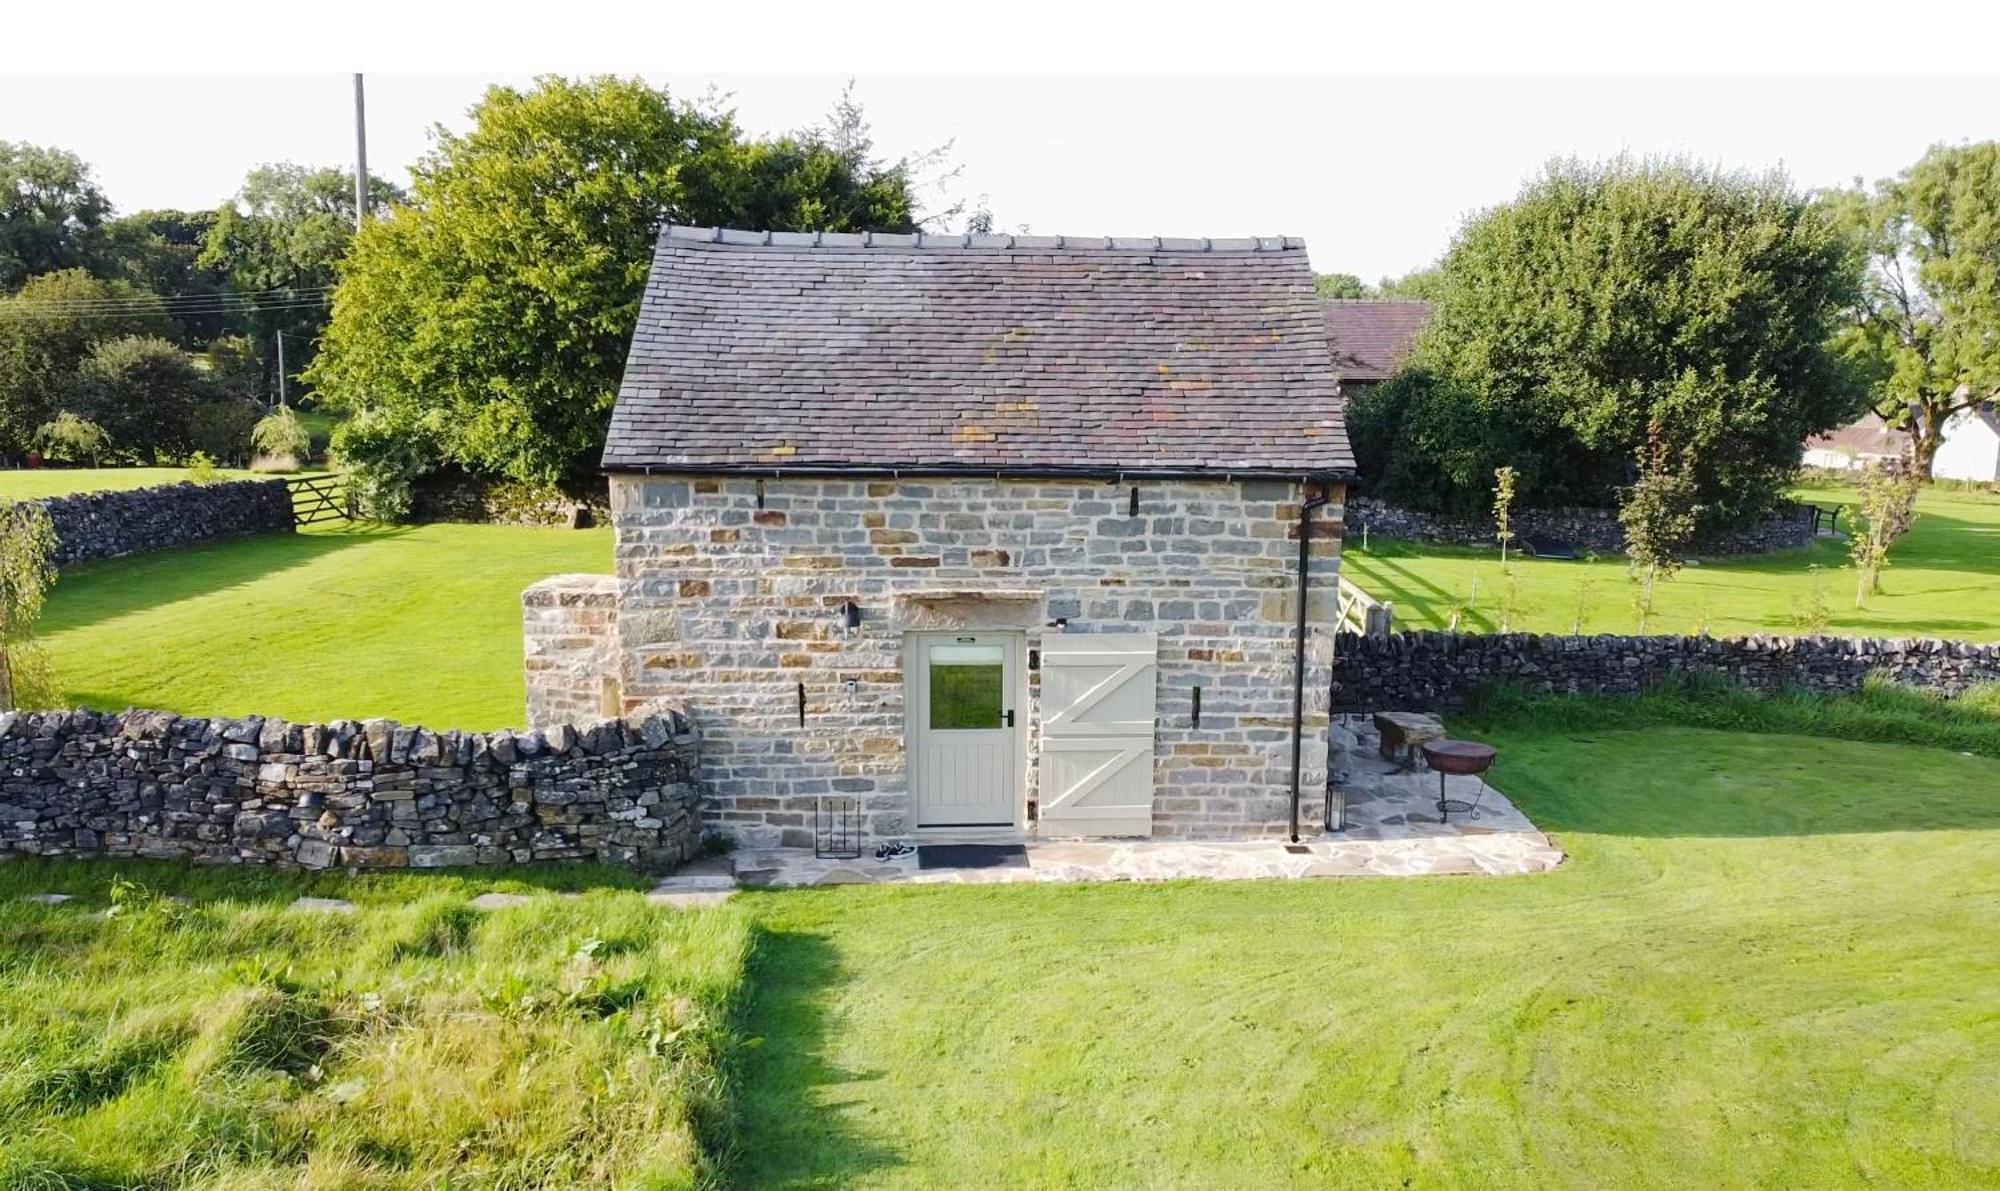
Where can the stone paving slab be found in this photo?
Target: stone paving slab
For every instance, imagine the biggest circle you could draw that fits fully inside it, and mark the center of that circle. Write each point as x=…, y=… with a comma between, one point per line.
x=323, y=905
x=1392, y=829
x=49, y=899
x=692, y=900
x=500, y=901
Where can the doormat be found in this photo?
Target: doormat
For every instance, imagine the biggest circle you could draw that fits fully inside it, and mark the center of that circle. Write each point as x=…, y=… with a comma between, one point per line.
x=972, y=856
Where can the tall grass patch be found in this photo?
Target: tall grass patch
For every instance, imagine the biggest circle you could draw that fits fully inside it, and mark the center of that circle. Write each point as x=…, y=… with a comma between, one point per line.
x=190, y=1029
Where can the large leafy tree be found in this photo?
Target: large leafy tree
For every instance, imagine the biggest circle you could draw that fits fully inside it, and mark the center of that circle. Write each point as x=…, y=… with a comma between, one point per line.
x=1928, y=320
x=49, y=208
x=485, y=323
x=280, y=240
x=160, y=251
x=48, y=330
x=1607, y=299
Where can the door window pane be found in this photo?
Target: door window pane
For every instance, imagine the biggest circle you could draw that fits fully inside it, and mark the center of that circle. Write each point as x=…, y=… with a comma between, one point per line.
x=967, y=685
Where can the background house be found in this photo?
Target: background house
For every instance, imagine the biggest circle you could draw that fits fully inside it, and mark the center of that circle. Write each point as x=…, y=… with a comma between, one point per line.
x=990, y=534
x=1970, y=449
x=1371, y=337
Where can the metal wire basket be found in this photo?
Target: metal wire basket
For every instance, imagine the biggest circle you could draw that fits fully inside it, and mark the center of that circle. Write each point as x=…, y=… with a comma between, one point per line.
x=837, y=828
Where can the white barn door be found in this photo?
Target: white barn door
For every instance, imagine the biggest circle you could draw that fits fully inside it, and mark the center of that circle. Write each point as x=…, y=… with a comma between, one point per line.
x=1097, y=733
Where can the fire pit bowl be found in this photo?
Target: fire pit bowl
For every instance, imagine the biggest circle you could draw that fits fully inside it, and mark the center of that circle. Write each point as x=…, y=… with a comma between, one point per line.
x=1458, y=758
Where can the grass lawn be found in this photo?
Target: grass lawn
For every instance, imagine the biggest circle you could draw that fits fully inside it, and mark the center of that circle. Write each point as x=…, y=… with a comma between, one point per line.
x=1768, y=962
x=230, y=1042
x=1943, y=581
x=23, y=484
x=420, y=624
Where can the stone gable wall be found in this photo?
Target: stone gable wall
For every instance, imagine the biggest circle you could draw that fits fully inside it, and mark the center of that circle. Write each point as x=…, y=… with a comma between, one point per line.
x=370, y=794
x=727, y=605
x=1442, y=671
x=1594, y=531
x=97, y=525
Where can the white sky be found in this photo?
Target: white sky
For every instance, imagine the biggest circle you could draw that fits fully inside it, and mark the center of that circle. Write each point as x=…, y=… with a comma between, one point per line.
x=1375, y=171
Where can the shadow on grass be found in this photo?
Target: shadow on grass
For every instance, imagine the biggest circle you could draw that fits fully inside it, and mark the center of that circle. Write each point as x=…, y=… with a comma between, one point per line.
x=792, y=1130
x=101, y=591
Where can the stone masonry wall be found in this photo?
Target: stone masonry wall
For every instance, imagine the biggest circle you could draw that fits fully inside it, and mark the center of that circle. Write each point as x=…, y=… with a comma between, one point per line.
x=727, y=604
x=1593, y=531
x=97, y=525
x=569, y=630
x=370, y=794
x=1441, y=671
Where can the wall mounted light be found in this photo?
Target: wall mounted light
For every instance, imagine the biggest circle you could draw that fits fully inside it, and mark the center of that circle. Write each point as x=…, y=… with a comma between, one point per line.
x=1197, y=707
x=850, y=615
x=1135, y=501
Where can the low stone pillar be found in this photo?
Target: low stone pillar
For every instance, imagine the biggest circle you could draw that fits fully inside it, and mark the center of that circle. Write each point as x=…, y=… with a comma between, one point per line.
x=569, y=631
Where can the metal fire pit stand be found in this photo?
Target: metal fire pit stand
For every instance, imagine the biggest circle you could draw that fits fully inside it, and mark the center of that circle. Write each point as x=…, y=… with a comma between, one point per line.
x=1459, y=758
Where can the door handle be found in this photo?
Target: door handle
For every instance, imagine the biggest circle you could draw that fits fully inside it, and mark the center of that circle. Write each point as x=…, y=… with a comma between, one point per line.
x=1009, y=717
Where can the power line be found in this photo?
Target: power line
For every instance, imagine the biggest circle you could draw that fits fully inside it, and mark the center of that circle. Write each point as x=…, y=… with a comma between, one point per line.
x=267, y=308
x=178, y=301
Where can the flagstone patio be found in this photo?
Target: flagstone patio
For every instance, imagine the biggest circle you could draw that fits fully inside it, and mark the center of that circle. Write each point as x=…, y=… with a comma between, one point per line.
x=1392, y=829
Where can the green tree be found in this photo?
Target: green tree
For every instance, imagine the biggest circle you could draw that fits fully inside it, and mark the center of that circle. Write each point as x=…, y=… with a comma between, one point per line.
x=280, y=239
x=279, y=434
x=144, y=391
x=48, y=329
x=1927, y=322
x=72, y=439
x=1340, y=285
x=1418, y=285
x=49, y=207
x=1607, y=298
x=485, y=324
x=160, y=251
x=27, y=545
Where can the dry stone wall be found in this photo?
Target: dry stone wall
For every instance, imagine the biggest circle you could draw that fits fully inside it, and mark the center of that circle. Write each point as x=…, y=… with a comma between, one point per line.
x=97, y=525
x=731, y=594
x=360, y=794
x=1594, y=531
x=1442, y=671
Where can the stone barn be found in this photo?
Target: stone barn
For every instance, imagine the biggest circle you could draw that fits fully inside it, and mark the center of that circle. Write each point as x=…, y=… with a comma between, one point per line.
x=983, y=537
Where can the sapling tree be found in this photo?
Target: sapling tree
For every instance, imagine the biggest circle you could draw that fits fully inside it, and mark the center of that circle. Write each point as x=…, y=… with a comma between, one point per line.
x=1888, y=506
x=1659, y=513
x=1503, y=509
x=27, y=543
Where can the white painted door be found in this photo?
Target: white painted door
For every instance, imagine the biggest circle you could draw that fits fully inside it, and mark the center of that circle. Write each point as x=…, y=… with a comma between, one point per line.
x=1097, y=733
x=965, y=729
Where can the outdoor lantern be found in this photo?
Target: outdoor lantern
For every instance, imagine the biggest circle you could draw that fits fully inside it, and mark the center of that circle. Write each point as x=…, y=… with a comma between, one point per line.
x=850, y=615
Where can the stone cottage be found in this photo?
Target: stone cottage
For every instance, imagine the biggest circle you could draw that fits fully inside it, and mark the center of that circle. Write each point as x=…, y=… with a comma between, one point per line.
x=992, y=535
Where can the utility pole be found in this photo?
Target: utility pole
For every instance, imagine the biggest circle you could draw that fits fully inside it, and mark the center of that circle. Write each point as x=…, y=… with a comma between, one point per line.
x=281, y=368
x=360, y=157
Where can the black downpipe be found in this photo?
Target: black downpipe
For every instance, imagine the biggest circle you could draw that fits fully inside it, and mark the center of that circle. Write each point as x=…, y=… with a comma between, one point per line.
x=1299, y=661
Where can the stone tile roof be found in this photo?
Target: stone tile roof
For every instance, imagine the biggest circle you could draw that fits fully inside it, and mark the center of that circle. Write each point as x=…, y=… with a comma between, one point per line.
x=1868, y=436
x=1370, y=337
x=1050, y=355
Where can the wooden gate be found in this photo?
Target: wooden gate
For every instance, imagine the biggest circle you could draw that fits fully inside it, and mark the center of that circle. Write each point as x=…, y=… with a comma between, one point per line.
x=318, y=498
